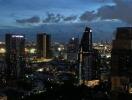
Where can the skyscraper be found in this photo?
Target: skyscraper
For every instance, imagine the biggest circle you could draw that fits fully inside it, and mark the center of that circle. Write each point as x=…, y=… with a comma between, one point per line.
x=88, y=68
x=72, y=49
x=44, y=45
x=121, y=59
x=15, y=55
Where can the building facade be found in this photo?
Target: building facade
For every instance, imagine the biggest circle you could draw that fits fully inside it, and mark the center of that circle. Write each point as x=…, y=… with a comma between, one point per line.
x=88, y=58
x=15, y=55
x=72, y=49
x=44, y=45
x=121, y=59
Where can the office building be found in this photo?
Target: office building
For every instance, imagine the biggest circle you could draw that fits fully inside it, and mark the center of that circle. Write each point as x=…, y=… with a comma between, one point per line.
x=72, y=49
x=15, y=55
x=88, y=59
x=121, y=59
x=43, y=45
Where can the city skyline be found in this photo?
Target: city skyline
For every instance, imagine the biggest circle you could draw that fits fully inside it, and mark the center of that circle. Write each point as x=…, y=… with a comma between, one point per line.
x=28, y=68
x=64, y=17
x=65, y=49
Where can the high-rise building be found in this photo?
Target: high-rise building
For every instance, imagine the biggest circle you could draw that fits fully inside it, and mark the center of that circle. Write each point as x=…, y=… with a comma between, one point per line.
x=88, y=59
x=72, y=49
x=44, y=45
x=15, y=55
x=121, y=59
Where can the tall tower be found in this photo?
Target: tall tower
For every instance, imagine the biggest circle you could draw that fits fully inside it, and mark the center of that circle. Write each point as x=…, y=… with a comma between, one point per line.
x=44, y=45
x=87, y=58
x=15, y=55
x=121, y=59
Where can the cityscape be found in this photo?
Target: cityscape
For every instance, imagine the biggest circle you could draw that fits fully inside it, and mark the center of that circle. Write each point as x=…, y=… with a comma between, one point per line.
x=65, y=50
x=49, y=70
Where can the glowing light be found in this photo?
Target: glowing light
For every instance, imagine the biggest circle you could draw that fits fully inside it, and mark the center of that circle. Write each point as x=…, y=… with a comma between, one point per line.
x=32, y=50
x=90, y=30
x=40, y=70
x=42, y=60
x=91, y=83
x=108, y=56
x=17, y=36
x=73, y=38
x=59, y=49
x=2, y=43
x=105, y=48
x=27, y=76
x=2, y=50
x=26, y=50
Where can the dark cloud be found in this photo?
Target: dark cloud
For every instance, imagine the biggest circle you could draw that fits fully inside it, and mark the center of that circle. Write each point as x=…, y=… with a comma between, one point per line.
x=56, y=18
x=34, y=19
x=50, y=18
x=120, y=10
x=70, y=18
x=88, y=16
x=107, y=12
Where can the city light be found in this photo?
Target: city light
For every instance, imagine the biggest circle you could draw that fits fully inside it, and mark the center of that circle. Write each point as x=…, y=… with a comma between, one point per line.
x=65, y=50
x=2, y=50
x=40, y=70
x=38, y=60
x=59, y=49
x=90, y=30
x=17, y=36
x=73, y=38
x=91, y=83
x=32, y=50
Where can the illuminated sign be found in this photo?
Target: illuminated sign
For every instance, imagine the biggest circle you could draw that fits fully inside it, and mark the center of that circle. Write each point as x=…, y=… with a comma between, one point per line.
x=17, y=36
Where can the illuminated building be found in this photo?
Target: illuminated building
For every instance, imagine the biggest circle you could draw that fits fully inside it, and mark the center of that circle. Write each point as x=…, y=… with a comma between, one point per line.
x=121, y=59
x=72, y=50
x=15, y=55
x=88, y=59
x=43, y=45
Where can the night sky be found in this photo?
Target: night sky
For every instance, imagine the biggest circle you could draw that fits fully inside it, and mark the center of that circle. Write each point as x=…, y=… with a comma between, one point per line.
x=64, y=18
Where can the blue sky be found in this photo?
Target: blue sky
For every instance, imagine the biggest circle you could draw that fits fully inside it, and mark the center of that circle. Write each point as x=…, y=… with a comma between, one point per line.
x=36, y=14
x=11, y=10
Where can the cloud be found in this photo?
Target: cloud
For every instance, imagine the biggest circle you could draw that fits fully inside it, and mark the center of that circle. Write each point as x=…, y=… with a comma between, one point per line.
x=52, y=18
x=107, y=12
x=70, y=18
x=88, y=16
x=32, y=20
x=120, y=10
x=49, y=19
x=56, y=18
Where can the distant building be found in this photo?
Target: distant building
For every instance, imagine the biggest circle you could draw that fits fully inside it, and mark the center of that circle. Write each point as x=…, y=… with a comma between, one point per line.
x=88, y=59
x=121, y=59
x=43, y=45
x=72, y=49
x=15, y=55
